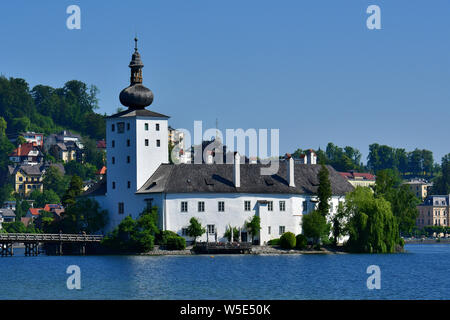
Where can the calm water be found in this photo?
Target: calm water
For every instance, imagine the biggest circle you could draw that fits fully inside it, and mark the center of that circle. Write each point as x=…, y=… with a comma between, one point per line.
x=421, y=273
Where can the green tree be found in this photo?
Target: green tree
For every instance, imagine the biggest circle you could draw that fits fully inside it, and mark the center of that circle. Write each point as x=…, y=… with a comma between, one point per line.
x=403, y=201
x=315, y=227
x=20, y=140
x=288, y=240
x=85, y=215
x=372, y=226
x=386, y=181
x=43, y=198
x=6, y=191
x=441, y=184
x=14, y=227
x=233, y=230
x=75, y=189
x=85, y=171
x=20, y=124
x=324, y=191
x=339, y=224
x=6, y=147
x=94, y=125
x=92, y=154
x=47, y=223
x=195, y=229
x=22, y=207
x=301, y=242
x=253, y=226
x=54, y=180
x=135, y=235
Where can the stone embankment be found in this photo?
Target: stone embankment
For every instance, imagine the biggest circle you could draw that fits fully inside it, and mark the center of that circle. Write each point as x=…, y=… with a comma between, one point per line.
x=256, y=250
x=270, y=250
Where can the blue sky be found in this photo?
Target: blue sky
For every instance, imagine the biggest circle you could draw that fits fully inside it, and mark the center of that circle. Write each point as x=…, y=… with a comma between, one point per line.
x=310, y=68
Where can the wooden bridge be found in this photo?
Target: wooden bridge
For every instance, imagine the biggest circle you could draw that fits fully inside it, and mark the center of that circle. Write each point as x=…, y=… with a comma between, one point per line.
x=55, y=241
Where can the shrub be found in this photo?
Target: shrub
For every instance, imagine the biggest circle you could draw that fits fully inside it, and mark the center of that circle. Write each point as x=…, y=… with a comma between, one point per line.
x=287, y=240
x=176, y=243
x=301, y=242
x=235, y=233
x=274, y=242
x=163, y=236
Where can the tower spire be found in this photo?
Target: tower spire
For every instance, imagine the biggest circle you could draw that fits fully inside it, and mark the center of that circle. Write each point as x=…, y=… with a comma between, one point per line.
x=136, y=96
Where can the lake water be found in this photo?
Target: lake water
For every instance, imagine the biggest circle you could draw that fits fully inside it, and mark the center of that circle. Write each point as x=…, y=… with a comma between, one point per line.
x=421, y=273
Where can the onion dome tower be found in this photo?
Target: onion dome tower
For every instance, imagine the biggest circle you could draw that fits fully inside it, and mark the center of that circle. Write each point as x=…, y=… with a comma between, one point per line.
x=136, y=96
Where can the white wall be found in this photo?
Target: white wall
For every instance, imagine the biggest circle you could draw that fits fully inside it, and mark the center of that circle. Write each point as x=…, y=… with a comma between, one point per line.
x=234, y=213
x=150, y=157
x=171, y=217
x=144, y=160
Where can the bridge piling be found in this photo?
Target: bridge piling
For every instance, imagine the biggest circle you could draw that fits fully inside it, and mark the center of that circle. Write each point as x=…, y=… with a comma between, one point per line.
x=7, y=249
x=32, y=249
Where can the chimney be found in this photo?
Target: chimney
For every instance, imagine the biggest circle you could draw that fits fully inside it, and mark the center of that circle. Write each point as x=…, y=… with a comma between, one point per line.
x=311, y=157
x=237, y=170
x=290, y=170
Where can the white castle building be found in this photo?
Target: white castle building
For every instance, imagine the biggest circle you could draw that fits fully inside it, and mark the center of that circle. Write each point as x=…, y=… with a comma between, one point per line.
x=218, y=195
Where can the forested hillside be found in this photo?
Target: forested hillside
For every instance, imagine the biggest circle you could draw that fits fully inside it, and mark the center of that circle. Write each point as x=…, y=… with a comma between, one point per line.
x=47, y=110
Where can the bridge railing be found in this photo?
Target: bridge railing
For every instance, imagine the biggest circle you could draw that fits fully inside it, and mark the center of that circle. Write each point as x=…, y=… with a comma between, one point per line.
x=48, y=237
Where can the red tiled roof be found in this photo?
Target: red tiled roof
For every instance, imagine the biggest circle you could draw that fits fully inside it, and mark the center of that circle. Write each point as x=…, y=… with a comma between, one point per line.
x=22, y=150
x=50, y=207
x=367, y=176
x=353, y=175
x=102, y=170
x=35, y=211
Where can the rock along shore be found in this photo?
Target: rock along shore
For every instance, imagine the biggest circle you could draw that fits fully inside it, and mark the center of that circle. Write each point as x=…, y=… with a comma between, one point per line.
x=256, y=250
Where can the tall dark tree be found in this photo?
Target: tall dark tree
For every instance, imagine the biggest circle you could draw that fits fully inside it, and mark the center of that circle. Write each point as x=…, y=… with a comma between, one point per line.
x=324, y=191
x=442, y=181
x=75, y=189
